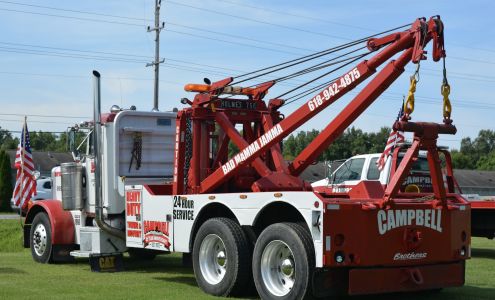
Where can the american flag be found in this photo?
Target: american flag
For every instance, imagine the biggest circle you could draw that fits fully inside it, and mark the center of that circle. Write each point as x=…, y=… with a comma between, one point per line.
x=25, y=185
x=394, y=138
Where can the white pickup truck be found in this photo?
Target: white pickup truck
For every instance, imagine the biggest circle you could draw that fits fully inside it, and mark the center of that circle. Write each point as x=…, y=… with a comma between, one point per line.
x=363, y=167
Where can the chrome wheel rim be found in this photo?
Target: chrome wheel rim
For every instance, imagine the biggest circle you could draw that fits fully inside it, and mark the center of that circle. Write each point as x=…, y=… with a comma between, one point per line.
x=278, y=268
x=213, y=259
x=39, y=239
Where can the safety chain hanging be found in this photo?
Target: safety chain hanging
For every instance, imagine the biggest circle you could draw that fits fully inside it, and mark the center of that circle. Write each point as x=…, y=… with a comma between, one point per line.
x=136, y=150
x=414, y=79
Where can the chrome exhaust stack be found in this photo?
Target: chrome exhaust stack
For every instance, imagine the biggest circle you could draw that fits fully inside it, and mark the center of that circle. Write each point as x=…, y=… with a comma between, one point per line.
x=97, y=154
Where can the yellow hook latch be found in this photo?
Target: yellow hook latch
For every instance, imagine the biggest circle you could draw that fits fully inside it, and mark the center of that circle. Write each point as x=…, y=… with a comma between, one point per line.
x=447, y=107
x=409, y=104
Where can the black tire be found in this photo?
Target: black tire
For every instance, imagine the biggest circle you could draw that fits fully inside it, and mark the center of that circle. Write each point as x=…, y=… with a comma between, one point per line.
x=278, y=239
x=141, y=254
x=40, y=239
x=236, y=251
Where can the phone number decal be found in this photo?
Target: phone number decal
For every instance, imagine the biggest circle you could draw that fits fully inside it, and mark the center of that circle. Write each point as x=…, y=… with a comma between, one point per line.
x=334, y=88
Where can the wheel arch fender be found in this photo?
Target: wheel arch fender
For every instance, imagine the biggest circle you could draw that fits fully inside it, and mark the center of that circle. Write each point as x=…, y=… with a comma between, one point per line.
x=211, y=210
x=61, y=221
x=278, y=212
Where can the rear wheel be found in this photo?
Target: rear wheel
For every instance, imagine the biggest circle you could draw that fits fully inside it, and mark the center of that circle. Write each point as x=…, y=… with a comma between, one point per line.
x=283, y=262
x=221, y=257
x=41, y=238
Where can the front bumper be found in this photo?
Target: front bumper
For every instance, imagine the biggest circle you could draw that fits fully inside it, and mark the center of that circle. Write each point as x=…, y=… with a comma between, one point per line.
x=360, y=281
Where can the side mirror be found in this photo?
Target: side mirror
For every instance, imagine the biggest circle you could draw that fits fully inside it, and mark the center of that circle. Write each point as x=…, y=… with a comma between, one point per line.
x=71, y=140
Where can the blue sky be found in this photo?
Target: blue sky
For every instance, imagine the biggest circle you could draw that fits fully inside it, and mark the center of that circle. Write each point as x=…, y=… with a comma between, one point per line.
x=41, y=74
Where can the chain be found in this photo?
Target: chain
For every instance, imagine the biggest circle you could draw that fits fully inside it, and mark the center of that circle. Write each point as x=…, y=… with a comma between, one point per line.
x=137, y=150
x=188, y=154
x=414, y=79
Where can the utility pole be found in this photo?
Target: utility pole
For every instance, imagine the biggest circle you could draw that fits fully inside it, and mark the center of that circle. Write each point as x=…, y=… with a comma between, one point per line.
x=156, y=63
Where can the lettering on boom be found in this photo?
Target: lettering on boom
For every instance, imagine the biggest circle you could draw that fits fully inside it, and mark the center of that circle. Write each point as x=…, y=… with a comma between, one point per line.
x=252, y=149
x=391, y=219
x=334, y=88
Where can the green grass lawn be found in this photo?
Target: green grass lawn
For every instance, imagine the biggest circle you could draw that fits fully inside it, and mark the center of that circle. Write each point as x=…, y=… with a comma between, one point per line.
x=165, y=278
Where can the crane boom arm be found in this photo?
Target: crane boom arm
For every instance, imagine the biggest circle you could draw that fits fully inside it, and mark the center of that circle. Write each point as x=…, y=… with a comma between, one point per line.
x=412, y=40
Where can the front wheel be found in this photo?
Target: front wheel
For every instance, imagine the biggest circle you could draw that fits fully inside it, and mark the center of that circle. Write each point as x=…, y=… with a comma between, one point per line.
x=283, y=262
x=41, y=238
x=221, y=257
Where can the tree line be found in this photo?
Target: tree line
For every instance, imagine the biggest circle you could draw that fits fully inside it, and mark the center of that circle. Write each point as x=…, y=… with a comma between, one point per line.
x=40, y=141
x=352, y=142
x=477, y=154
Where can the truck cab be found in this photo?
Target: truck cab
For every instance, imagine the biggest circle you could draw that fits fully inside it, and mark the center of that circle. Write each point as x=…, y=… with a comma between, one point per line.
x=352, y=171
x=364, y=167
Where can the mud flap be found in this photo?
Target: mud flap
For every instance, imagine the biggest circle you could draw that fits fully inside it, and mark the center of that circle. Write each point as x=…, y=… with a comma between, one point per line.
x=330, y=282
x=106, y=262
x=404, y=279
x=61, y=253
x=27, y=231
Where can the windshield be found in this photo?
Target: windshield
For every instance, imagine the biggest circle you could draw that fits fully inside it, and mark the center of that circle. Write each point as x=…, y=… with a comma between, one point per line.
x=419, y=166
x=419, y=179
x=350, y=170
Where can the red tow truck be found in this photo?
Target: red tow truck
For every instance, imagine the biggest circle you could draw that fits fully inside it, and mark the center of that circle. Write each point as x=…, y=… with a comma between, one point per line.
x=155, y=182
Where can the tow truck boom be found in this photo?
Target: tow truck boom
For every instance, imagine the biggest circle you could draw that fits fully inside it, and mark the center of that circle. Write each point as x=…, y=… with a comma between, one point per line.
x=257, y=143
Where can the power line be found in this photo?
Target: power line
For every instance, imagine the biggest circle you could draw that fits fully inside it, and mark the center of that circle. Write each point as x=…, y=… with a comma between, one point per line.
x=196, y=28
x=230, y=42
x=46, y=116
x=204, y=30
x=473, y=60
x=285, y=13
x=144, y=19
x=257, y=21
x=55, y=132
x=34, y=121
x=70, y=17
x=464, y=76
x=75, y=55
x=239, y=37
x=430, y=100
x=169, y=30
x=55, y=54
x=471, y=47
x=76, y=11
x=76, y=50
x=66, y=55
x=114, y=54
x=166, y=29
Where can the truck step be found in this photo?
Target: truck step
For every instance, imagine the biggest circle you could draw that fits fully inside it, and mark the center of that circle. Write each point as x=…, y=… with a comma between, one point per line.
x=79, y=253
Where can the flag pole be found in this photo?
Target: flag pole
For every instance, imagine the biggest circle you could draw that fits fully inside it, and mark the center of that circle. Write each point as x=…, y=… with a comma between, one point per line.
x=23, y=145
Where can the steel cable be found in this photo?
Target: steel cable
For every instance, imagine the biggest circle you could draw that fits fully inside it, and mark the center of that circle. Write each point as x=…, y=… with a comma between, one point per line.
x=323, y=75
x=312, y=56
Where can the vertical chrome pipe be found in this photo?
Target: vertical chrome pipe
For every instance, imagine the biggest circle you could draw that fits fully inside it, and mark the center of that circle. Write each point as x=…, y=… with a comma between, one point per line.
x=97, y=154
